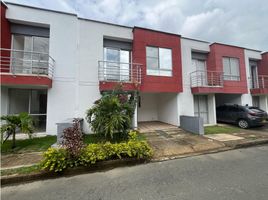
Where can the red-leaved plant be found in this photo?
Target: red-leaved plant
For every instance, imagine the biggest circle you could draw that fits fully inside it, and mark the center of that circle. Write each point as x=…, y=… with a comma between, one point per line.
x=73, y=139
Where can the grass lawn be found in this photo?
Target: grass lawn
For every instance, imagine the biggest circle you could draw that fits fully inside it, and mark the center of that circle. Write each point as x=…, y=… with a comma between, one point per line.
x=29, y=145
x=21, y=170
x=221, y=129
x=43, y=143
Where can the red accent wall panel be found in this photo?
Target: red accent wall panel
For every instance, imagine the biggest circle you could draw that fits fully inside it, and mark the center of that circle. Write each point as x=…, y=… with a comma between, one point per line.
x=24, y=80
x=106, y=86
x=263, y=65
x=215, y=63
x=144, y=37
x=5, y=35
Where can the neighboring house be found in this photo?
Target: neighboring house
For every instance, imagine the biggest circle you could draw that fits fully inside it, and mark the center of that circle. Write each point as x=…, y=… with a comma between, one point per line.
x=54, y=65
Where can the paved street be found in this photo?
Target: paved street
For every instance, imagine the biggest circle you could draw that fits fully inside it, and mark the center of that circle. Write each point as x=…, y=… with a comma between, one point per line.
x=238, y=174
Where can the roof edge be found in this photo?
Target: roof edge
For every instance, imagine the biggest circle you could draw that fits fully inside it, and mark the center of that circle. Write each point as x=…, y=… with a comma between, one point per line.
x=38, y=8
x=235, y=46
x=3, y=3
x=158, y=31
x=102, y=22
x=197, y=40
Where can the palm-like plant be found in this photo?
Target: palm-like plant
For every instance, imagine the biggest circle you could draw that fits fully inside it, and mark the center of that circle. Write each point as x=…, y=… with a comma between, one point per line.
x=109, y=116
x=23, y=122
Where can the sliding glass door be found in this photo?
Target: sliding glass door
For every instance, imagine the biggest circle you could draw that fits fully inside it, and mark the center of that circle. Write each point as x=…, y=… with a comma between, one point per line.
x=201, y=107
x=117, y=64
x=33, y=102
x=30, y=54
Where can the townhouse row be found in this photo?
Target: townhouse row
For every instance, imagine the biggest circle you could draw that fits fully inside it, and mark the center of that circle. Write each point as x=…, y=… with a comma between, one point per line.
x=55, y=65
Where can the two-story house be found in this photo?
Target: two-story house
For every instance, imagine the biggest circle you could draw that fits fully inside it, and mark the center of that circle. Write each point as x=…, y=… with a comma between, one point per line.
x=55, y=65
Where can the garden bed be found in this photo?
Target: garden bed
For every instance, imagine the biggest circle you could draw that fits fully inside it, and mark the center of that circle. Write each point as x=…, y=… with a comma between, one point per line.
x=33, y=173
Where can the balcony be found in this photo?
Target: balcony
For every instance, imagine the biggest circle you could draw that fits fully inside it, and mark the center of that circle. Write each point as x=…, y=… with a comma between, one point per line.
x=206, y=81
x=20, y=67
x=259, y=85
x=111, y=73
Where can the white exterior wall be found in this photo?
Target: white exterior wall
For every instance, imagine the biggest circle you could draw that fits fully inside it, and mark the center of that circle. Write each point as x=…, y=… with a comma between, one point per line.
x=148, y=107
x=77, y=46
x=264, y=102
x=255, y=55
x=186, y=98
x=63, y=48
x=168, y=108
x=90, y=51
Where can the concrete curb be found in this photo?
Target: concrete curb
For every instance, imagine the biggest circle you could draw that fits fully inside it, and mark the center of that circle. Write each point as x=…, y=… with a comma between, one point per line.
x=249, y=144
x=111, y=164
x=98, y=167
x=218, y=150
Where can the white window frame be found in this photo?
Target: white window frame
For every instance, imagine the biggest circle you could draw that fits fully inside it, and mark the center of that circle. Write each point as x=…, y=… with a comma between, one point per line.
x=160, y=71
x=231, y=76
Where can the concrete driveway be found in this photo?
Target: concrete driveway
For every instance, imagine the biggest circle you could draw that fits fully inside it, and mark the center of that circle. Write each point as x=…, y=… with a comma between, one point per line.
x=174, y=142
x=263, y=129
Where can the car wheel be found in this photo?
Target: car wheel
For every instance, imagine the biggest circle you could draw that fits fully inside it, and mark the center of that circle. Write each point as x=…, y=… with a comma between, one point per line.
x=242, y=123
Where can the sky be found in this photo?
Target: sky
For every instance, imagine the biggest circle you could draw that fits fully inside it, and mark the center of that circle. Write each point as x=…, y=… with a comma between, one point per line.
x=237, y=22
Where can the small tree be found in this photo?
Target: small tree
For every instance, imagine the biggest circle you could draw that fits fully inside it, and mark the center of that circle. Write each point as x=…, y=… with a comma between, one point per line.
x=23, y=122
x=110, y=115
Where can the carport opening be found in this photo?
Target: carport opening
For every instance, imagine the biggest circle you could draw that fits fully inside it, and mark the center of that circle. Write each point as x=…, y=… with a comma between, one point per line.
x=222, y=99
x=157, y=111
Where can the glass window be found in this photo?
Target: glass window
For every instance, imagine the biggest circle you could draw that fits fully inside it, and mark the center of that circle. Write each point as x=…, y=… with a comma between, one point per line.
x=152, y=63
x=33, y=55
x=18, y=101
x=117, y=64
x=112, y=55
x=233, y=109
x=159, y=61
x=41, y=45
x=124, y=65
x=152, y=52
x=231, y=69
x=165, y=58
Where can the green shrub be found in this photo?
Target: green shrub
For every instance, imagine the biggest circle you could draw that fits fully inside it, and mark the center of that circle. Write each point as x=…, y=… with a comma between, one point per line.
x=109, y=116
x=23, y=122
x=58, y=159
x=55, y=159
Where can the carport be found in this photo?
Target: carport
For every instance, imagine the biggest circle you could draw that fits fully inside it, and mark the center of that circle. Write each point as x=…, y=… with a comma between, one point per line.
x=228, y=99
x=157, y=107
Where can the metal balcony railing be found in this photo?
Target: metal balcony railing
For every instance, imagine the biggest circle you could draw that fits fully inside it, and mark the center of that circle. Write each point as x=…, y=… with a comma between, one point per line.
x=120, y=72
x=201, y=78
x=260, y=82
x=26, y=62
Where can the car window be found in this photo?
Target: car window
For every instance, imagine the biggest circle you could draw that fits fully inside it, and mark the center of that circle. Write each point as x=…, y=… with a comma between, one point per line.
x=233, y=109
x=221, y=108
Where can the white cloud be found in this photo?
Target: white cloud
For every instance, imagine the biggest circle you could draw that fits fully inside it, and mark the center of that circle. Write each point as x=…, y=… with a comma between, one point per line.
x=240, y=22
